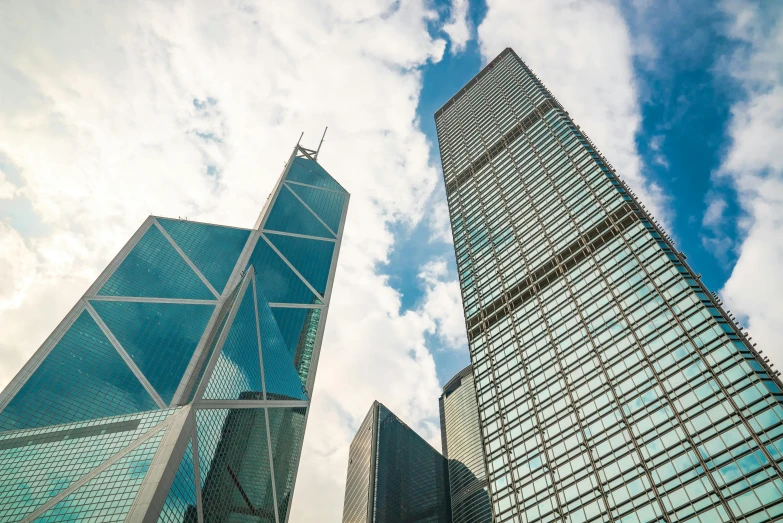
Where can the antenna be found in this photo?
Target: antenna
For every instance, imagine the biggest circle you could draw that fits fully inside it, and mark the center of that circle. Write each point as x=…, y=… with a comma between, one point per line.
x=300, y=139
x=321, y=142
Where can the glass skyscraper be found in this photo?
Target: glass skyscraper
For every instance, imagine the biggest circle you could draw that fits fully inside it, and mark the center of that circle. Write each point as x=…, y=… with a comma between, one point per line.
x=611, y=385
x=460, y=432
x=177, y=389
x=394, y=476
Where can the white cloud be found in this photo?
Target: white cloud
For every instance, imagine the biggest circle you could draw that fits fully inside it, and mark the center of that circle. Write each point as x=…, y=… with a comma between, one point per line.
x=439, y=222
x=713, y=216
x=443, y=304
x=115, y=111
x=755, y=167
x=590, y=71
x=458, y=27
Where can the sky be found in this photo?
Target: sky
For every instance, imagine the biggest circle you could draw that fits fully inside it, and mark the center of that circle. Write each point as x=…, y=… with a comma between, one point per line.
x=111, y=111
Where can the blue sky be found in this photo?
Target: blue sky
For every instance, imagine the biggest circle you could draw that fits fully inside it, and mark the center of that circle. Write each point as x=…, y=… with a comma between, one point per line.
x=685, y=98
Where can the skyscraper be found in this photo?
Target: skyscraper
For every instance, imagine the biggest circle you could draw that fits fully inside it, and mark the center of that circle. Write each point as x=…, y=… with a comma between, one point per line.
x=177, y=388
x=611, y=385
x=394, y=476
x=460, y=432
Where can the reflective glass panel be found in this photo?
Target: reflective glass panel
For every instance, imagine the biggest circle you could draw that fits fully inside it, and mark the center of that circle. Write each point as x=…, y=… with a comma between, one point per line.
x=276, y=279
x=233, y=457
x=312, y=258
x=299, y=328
x=289, y=215
x=159, y=337
x=212, y=341
x=180, y=504
x=309, y=172
x=109, y=495
x=213, y=249
x=328, y=205
x=155, y=269
x=281, y=376
x=237, y=372
x=286, y=429
x=37, y=464
x=83, y=377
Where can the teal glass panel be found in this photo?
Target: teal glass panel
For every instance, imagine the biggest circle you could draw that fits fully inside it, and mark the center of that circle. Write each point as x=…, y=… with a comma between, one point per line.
x=180, y=504
x=286, y=430
x=212, y=341
x=110, y=494
x=160, y=338
x=289, y=215
x=309, y=172
x=237, y=372
x=290, y=321
x=82, y=378
x=276, y=279
x=213, y=249
x=154, y=269
x=281, y=377
x=328, y=205
x=299, y=328
x=312, y=258
x=233, y=457
x=38, y=464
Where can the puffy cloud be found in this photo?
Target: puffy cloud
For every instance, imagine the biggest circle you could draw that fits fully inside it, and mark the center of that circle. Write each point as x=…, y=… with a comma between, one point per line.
x=713, y=216
x=754, y=166
x=443, y=304
x=439, y=222
x=590, y=72
x=115, y=111
x=458, y=26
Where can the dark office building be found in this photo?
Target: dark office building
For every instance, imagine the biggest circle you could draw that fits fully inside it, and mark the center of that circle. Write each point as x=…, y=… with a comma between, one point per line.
x=611, y=384
x=394, y=476
x=461, y=436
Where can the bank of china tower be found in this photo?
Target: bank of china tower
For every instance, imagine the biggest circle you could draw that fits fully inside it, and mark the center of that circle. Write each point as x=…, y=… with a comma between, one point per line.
x=178, y=387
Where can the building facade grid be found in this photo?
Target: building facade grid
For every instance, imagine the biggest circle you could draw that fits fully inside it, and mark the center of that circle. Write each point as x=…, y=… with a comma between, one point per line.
x=464, y=450
x=611, y=385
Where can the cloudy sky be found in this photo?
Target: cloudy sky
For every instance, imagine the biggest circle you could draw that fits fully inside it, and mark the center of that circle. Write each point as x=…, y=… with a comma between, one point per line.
x=111, y=111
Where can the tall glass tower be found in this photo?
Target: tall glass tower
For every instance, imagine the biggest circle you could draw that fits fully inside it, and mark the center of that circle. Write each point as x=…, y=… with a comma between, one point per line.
x=611, y=385
x=394, y=476
x=178, y=387
x=460, y=433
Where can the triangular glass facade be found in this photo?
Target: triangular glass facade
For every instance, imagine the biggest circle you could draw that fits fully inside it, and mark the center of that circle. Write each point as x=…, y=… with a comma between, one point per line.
x=289, y=214
x=82, y=378
x=286, y=427
x=155, y=269
x=282, y=378
x=213, y=249
x=311, y=258
x=237, y=372
x=161, y=350
x=180, y=379
x=304, y=170
x=66, y=452
x=275, y=278
x=180, y=504
x=328, y=205
x=109, y=495
x=234, y=467
x=299, y=328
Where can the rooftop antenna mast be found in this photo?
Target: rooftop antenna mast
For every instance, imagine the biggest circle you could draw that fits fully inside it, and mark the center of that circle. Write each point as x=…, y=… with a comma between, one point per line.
x=321, y=142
